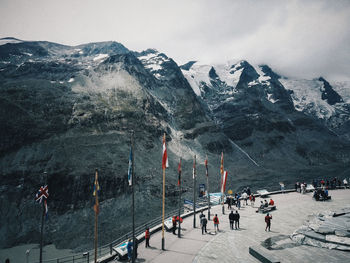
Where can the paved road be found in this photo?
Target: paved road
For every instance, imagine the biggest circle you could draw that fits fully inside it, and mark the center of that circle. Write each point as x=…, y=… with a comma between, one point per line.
x=232, y=245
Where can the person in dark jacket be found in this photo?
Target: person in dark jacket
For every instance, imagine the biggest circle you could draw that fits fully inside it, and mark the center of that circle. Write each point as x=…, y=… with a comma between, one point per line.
x=204, y=222
x=231, y=217
x=174, y=224
x=236, y=219
x=200, y=217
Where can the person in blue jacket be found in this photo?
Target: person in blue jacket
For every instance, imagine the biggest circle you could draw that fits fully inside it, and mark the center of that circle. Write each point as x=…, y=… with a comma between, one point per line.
x=129, y=247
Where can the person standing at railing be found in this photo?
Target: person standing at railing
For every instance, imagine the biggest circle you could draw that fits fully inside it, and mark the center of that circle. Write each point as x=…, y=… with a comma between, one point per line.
x=147, y=237
x=129, y=247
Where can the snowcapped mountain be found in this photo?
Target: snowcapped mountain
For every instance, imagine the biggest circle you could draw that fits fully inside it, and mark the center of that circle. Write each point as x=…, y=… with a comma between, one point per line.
x=67, y=110
x=315, y=97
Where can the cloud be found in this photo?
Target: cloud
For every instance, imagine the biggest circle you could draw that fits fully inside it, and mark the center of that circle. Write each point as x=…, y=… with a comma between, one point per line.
x=296, y=38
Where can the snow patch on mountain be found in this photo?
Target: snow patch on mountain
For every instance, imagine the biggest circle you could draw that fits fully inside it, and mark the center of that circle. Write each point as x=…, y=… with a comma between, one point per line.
x=100, y=57
x=307, y=97
x=9, y=40
x=197, y=76
x=153, y=61
x=228, y=74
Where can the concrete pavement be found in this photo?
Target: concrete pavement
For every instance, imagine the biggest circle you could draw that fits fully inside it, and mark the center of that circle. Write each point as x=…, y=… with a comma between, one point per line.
x=232, y=245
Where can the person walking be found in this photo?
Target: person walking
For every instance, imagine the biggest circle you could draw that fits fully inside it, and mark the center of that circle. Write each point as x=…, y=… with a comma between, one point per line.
x=231, y=217
x=216, y=223
x=237, y=216
x=200, y=217
x=204, y=222
x=268, y=219
x=147, y=237
x=174, y=224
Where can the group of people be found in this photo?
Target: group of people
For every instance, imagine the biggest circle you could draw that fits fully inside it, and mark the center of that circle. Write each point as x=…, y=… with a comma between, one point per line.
x=265, y=204
x=203, y=222
x=300, y=187
x=330, y=184
x=240, y=197
x=321, y=194
x=234, y=220
x=233, y=217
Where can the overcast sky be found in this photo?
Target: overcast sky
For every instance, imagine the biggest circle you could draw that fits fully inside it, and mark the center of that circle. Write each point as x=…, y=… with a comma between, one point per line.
x=296, y=38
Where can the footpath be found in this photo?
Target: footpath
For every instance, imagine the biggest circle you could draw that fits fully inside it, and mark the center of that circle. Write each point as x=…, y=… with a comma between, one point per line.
x=229, y=245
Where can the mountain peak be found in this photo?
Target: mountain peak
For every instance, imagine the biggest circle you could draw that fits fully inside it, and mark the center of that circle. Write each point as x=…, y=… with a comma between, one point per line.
x=328, y=93
x=268, y=71
x=188, y=65
x=9, y=40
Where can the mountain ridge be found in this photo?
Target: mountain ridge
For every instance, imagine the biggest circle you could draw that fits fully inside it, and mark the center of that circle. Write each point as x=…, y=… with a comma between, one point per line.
x=68, y=110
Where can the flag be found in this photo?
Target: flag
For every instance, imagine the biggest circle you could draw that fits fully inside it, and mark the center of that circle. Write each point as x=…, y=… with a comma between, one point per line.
x=42, y=193
x=97, y=207
x=206, y=166
x=96, y=192
x=96, y=185
x=223, y=185
x=130, y=168
x=46, y=210
x=222, y=164
x=194, y=167
x=179, y=170
x=165, y=156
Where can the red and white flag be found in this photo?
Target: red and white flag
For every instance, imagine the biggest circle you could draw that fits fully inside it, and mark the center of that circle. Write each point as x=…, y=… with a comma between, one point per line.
x=223, y=184
x=206, y=166
x=165, y=155
x=222, y=164
x=194, y=167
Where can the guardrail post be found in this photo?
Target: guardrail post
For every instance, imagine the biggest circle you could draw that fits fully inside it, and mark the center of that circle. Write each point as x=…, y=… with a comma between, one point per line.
x=58, y=261
x=110, y=248
x=73, y=259
x=88, y=257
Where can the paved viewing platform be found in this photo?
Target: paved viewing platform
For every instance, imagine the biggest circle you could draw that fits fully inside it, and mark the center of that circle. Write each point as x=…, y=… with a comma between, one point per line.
x=229, y=245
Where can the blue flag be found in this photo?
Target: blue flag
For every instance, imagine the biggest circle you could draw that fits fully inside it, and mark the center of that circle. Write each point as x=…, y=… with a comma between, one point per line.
x=130, y=168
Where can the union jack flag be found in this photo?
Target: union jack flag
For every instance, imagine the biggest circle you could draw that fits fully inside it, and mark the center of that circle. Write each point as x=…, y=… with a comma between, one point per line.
x=42, y=193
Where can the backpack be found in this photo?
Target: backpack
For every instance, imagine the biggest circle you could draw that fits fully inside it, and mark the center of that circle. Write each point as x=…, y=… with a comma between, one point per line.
x=216, y=220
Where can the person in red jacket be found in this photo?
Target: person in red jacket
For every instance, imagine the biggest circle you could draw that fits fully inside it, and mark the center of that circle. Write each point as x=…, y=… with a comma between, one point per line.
x=216, y=222
x=268, y=221
x=272, y=203
x=147, y=236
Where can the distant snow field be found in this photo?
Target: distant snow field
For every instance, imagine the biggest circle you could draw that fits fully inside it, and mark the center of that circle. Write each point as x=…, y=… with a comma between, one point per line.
x=100, y=56
x=4, y=41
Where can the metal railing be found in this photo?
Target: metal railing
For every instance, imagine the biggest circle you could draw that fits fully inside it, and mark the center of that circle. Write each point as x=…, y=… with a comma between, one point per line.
x=107, y=250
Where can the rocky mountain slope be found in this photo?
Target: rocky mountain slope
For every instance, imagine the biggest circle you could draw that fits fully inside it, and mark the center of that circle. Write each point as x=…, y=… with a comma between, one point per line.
x=68, y=110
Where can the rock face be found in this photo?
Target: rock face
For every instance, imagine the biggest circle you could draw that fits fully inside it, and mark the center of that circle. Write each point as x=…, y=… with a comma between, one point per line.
x=329, y=230
x=68, y=110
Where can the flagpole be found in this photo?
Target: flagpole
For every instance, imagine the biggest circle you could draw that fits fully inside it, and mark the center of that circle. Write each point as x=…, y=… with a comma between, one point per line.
x=194, y=192
x=207, y=172
x=133, y=200
x=96, y=217
x=163, y=202
x=42, y=225
x=222, y=181
x=179, y=231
